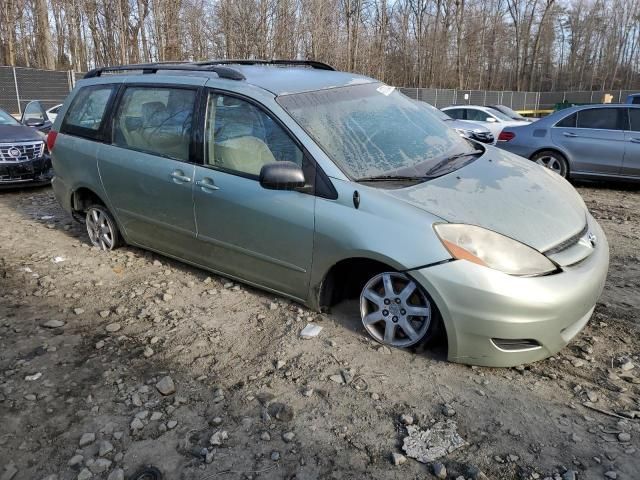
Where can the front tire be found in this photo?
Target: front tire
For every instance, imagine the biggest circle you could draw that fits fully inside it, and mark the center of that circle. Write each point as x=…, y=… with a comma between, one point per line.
x=554, y=161
x=102, y=228
x=396, y=311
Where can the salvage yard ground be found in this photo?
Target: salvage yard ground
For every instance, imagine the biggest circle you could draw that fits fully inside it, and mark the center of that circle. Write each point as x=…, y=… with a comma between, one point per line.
x=93, y=344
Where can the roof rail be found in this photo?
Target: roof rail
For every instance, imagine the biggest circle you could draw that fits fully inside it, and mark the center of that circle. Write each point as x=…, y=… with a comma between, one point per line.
x=147, y=68
x=305, y=63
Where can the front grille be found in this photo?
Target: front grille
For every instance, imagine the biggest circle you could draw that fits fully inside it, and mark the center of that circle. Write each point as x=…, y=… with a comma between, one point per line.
x=486, y=137
x=569, y=242
x=20, y=151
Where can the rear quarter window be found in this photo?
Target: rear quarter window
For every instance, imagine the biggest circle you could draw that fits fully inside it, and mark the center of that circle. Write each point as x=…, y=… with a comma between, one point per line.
x=87, y=111
x=568, y=121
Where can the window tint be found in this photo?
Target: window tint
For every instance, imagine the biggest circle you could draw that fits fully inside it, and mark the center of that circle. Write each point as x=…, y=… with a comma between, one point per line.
x=87, y=110
x=602, y=118
x=568, y=122
x=477, y=115
x=636, y=100
x=155, y=120
x=241, y=137
x=634, y=118
x=457, y=113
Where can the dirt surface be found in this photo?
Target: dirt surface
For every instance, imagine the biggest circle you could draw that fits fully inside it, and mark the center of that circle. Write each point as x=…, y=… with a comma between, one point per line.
x=86, y=338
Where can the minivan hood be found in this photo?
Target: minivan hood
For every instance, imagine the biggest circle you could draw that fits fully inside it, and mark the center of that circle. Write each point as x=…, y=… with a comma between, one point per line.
x=506, y=194
x=18, y=133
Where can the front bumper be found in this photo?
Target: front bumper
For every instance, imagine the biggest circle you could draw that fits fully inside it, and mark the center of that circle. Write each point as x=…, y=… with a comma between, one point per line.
x=479, y=305
x=37, y=171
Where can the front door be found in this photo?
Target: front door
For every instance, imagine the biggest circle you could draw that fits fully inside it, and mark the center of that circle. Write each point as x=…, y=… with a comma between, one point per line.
x=596, y=143
x=146, y=169
x=262, y=236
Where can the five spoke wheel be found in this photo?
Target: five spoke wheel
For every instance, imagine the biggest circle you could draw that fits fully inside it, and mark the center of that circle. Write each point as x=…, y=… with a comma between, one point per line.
x=394, y=310
x=101, y=228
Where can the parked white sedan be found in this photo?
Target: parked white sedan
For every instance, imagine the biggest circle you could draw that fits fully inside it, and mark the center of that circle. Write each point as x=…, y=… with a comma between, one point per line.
x=487, y=116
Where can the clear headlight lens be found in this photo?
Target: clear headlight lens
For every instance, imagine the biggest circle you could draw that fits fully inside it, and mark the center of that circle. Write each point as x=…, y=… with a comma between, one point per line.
x=490, y=249
x=464, y=133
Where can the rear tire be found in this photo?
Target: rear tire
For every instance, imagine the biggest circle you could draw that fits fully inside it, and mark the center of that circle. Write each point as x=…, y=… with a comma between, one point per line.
x=554, y=161
x=102, y=228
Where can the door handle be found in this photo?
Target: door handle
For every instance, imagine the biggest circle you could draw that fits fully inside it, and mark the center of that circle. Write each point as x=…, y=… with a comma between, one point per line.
x=570, y=134
x=180, y=177
x=635, y=140
x=207, y=185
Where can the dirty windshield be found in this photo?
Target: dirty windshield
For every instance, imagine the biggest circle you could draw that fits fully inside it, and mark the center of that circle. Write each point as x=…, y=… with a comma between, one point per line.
x=374, y=130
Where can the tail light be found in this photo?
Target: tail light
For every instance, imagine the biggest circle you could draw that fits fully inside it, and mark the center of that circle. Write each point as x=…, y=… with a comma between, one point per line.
x=51, y=139
x=506, y=136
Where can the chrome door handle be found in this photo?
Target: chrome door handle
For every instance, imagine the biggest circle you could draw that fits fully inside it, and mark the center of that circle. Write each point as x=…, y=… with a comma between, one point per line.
x=570, y=134
x=635, y=140
x=180, y=176
x=206, y=184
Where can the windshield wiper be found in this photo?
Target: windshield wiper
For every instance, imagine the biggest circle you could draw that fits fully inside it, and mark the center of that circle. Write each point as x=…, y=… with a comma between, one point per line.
x=451, y=158
x=392, y=178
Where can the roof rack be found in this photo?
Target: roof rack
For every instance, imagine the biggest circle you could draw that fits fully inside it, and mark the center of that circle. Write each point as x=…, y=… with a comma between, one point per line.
x=305, y=63
x=147, y=68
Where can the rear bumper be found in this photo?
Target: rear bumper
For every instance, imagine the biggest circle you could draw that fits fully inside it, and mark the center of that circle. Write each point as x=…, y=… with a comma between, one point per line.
x=484, y=309
x=521, y=150
x=33, y=172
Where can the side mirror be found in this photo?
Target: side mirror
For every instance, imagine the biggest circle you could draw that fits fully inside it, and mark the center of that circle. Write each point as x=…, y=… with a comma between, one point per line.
x=281, y=176
x=34, y=122
x=491, y=120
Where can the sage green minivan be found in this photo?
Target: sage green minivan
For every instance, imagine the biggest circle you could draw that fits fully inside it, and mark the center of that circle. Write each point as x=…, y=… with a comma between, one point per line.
x=322, y=185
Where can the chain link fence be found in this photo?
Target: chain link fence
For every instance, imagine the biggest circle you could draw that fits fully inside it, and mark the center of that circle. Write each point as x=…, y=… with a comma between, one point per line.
x=516, y=100
x=18, y=86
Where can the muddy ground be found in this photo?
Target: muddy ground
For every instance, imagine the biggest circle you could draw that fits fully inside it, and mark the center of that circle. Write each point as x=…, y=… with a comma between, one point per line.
x=254, y=400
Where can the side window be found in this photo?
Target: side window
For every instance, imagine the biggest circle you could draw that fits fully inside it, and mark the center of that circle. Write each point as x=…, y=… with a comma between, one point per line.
x=477, y=115
x=155, y=120
x=635, y=100
x=240, y=137
x=600, y=118
x=456, y=113
x=634, y=117
x=568, y=122
x=84, y=116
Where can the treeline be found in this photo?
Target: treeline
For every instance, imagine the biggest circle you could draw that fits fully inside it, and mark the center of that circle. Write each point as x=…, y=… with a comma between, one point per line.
x=469, y=44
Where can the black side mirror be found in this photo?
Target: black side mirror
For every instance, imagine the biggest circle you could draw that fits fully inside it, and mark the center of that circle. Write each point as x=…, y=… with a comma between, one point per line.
x=34, y=122
x=281, y=176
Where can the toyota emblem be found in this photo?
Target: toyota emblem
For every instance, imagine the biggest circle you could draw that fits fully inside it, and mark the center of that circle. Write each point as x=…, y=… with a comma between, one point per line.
x=14, y=152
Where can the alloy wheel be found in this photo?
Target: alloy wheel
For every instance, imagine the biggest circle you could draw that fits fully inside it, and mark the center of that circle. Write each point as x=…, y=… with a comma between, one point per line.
x=100, y=229
x=394, y=310
x=552, y=163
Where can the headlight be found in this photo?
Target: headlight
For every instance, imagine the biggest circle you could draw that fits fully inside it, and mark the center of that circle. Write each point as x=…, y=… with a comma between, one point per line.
x=464, y=133
x=490, y=249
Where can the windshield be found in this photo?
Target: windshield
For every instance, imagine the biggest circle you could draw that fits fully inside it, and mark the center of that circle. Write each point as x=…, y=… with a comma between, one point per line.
x=505, y=113
x=373, y=130
x=6, y=119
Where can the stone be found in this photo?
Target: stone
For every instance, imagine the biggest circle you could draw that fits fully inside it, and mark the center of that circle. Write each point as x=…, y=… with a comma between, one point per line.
x=101, y=465
x=337, y=379
x=398, y=459
x=216, y=421
x=104, y=313
x=99, y=344
x=448, y=411
x=307, y=392
x=218, y=438
x=624, y=437
x=439, y=470
x=435, y=442
x=406, y=419
x=148, y=352
x=85, y=474
x=166, y=386
x=53, y=324
x=569, y=475
x=105, y=448
x=288, y=437
x=78, y=311
x=275, y=455
x=626, y=366
x=280, y=364
x=87, y=439
x=375, y=396
x=611, y=474
x=592, y=396
x=116, y=474
x=112, y=327
x=265, y=436
x=576, y=362
x=136, y=424
x=171, y=424
x=156, y=416
x=75, y=460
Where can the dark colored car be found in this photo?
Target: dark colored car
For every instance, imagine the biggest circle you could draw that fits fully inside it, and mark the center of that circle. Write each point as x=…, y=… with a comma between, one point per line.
x=23, y=155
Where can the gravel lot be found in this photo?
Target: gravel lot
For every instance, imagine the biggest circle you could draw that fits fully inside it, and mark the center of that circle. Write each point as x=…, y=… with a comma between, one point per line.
x=88, y=339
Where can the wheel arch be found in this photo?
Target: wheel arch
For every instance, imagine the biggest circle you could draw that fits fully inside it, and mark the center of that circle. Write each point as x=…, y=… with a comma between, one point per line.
x=557, y=150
